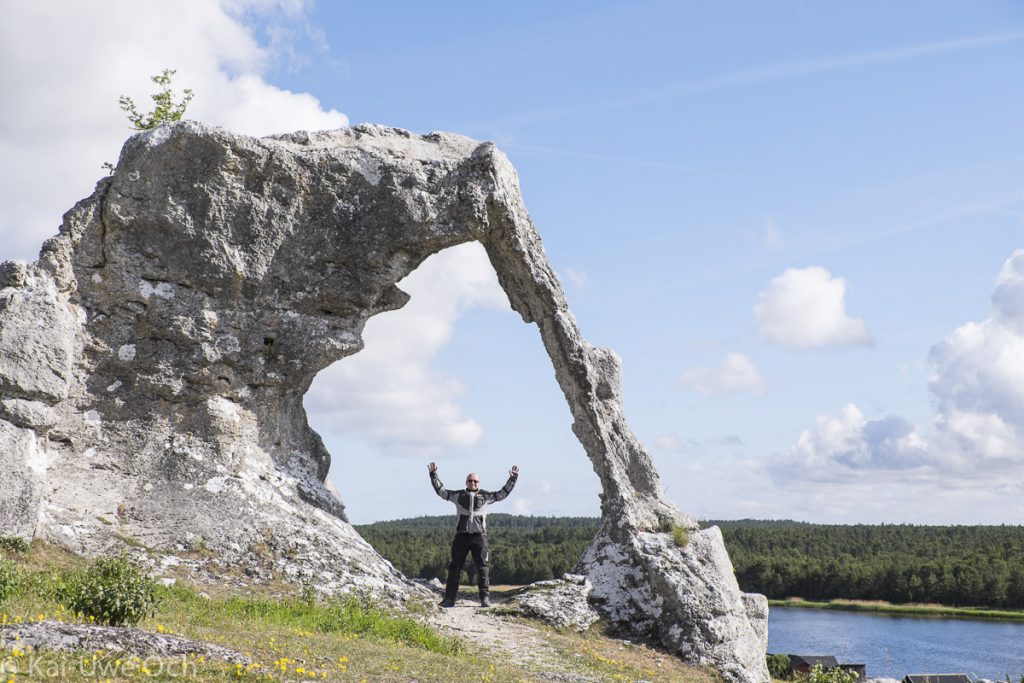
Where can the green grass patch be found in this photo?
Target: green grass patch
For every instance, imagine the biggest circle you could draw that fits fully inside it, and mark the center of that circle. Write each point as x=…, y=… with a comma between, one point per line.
x=10, y=578
x=350, y=615
x=289, y=638
x=612, y=659
x=294, y=636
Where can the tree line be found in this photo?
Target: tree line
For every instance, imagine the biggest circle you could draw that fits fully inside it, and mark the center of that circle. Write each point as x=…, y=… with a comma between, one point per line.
x=522, y=549
x=979, y=566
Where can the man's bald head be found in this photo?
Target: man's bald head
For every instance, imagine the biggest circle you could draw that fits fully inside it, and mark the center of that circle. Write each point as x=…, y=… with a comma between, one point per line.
x=472, y=481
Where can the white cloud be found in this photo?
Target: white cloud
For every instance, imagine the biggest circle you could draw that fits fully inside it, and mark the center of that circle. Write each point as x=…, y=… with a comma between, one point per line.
x=669, y=442
x=64, y=65
x=805, y=308
x=771, y=237
x=523, y=506
x=1008, y=298
x=737, y=374
x=858, y=443
x=579, y=278
x=976, y=441
x=977, y=381
x=389, y=394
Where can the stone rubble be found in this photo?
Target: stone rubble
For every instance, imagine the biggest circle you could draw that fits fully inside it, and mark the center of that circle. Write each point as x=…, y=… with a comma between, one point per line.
x=154, y=359
x=54, y=635
x=563, y=603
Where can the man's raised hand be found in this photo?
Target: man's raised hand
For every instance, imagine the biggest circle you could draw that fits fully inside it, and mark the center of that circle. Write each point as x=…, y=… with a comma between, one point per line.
x=514, y=471
x=432, y=467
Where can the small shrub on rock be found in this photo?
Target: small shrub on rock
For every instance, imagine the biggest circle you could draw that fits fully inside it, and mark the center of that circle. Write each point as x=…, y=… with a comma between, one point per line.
x=680, y=535
x=778, y=666
x=13, y=544
x=308, y=594
x=9, y=579
x=820, y=675
x=113, y=591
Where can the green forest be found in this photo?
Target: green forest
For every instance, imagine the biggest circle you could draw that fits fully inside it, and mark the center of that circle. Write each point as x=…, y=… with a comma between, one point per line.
x=522, y=549
x=978, y=566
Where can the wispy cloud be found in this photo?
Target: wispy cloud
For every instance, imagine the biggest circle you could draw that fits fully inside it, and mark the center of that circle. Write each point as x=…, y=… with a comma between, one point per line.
x=771, y=237
x=523, y=506
x=737, y=374
x=797, y=69
x=579, y=278
x=761, y=74
x=673, y=443
x=611, y=159
x=1013, y=207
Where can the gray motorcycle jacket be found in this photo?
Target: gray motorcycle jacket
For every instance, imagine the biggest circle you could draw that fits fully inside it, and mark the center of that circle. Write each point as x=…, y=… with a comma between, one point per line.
x=470, y=507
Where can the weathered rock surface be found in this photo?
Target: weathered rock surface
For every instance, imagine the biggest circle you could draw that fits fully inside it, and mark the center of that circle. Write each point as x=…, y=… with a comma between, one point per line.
x=687, y=598
x=55, y=635
x=153, y=364
x=562, y=603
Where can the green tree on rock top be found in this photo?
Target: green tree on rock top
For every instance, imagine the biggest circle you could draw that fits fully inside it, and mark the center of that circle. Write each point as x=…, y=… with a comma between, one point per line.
x=166, y=109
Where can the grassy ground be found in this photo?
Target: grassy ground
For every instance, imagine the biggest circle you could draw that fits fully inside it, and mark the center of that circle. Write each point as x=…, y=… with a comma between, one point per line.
x=909, y=610
x=616, y=660
x=291, y=638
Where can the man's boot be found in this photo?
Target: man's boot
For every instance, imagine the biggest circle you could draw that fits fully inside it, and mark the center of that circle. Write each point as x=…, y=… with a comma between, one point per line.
x=451, y=589
x=484, y=585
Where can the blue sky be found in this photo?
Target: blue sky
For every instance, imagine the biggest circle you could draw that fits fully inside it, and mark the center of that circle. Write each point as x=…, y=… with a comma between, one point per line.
x=788, y=219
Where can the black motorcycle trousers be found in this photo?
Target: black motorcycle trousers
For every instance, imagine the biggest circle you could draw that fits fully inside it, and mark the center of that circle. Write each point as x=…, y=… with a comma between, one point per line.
x=463, y=545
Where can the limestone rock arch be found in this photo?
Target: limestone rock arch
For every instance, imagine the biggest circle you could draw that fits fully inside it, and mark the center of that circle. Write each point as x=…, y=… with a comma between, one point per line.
x=154, y=359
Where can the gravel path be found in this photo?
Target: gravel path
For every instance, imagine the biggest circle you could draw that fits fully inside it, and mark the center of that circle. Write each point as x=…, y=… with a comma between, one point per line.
x=506, y=639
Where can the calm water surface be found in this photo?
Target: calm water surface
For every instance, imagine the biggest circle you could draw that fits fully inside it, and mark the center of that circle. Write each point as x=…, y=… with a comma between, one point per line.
x=893, y=646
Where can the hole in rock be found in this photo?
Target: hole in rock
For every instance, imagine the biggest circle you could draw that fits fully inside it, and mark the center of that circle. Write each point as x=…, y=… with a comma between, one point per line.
x=454, y=377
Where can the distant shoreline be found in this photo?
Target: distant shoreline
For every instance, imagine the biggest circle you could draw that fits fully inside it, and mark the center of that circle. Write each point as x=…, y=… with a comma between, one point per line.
x=904, y=610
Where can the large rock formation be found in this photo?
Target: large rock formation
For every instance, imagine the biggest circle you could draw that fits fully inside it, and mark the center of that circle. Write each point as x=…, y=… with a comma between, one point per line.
x=154, y=359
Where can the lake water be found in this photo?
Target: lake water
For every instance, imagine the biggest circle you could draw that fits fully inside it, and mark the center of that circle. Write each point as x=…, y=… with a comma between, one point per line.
x=893, y=646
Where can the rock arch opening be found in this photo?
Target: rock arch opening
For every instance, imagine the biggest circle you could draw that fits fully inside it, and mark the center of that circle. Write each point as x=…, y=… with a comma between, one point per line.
x=453, y=377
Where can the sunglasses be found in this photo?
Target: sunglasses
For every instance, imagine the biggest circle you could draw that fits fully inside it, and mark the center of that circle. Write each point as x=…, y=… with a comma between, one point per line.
x=472, y=481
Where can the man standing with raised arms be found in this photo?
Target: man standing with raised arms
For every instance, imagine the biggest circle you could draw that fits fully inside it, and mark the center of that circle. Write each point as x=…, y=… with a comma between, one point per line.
x=470, y=529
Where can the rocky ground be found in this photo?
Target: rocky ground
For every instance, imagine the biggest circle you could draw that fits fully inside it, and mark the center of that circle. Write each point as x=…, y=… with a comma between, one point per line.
x=56, y=635
x=500, y=644
x=507, y=638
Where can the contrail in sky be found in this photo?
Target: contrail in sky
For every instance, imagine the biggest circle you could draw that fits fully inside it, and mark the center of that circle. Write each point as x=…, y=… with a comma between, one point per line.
x=513, y=145
x=761, y=74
